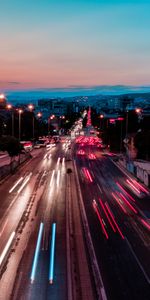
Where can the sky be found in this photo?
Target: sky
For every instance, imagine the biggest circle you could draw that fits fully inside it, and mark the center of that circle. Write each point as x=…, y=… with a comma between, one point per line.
x=66, y=43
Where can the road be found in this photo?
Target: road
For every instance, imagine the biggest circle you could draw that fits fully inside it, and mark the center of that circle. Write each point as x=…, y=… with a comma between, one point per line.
x=42, y=191
x=117, y=211
x=39, y=193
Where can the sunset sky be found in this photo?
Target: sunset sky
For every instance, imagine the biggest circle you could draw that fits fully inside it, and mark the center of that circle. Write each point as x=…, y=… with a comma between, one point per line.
x=51, y=43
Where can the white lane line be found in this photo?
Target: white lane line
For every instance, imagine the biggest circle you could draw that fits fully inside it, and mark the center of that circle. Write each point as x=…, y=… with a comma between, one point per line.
x=3, y=227
x=138, y=262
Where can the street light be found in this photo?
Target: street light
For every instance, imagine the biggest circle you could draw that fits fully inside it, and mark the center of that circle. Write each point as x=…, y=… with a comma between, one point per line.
x=2, y=96
x=31, y=108
x=61, y=122
x=101, y=122
x=50, y=118
x=10, y=107
x=20, y=111
x=138, y=110
x=39, y=114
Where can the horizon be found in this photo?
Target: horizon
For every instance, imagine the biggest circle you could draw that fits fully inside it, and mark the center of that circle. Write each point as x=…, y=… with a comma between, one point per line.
x=33, y=95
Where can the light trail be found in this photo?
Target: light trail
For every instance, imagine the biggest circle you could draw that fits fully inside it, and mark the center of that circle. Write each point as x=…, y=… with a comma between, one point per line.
x=8, y=244
x=100, y=219
x=63, y=161
x=58, y=178
x=132, y=185
x=127, y=194
x=24, y=183
x=87, y=174
x=113, y=218
x=121, y=206
x=58, y=161
x=128, y=203
x=37, y=251
x=140, y=186
x=105, y=211
x=52, y=177
x=10, y=191
x=52, y=254
x=146, y=224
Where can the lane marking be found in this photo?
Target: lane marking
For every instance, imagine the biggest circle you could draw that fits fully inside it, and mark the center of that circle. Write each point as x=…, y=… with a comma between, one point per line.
x=138, y=262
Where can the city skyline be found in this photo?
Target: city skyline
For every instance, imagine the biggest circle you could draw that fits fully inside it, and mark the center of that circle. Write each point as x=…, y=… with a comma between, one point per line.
x=55, y=45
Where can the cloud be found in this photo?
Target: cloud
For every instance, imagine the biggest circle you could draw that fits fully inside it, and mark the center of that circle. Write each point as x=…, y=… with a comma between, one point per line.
x=10, y=82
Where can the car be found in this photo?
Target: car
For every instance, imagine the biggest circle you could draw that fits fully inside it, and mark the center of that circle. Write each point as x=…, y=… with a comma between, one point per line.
x=41, y=143
x=27, y=145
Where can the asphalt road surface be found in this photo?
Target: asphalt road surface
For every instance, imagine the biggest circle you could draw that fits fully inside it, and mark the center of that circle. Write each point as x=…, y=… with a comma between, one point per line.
x=117, y=209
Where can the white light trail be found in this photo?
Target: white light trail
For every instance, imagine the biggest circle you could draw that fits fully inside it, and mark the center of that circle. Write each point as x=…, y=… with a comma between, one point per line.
x=58, y=161
x=37, y=251
x=58, y=178
x=52, y=177
x=8, y=244
x=15, y=184
x=52, y=254
x=24, y=183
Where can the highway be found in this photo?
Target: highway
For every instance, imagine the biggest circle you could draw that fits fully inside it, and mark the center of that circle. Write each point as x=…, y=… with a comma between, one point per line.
x=38, y=196
x=38, y=191
x=116, y=208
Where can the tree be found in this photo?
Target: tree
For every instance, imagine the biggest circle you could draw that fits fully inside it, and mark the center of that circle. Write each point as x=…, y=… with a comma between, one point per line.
x=11, y=145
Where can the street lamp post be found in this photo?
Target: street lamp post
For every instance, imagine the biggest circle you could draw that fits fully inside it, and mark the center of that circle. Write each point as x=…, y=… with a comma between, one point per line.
x=31, y=108
x=39, y=115
x=50, y=118
x=127, y=121
x=9, y=107
x=139, y=113
x=101, y=118
x=121, y=119
x=20, y=111
x=60, y=123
